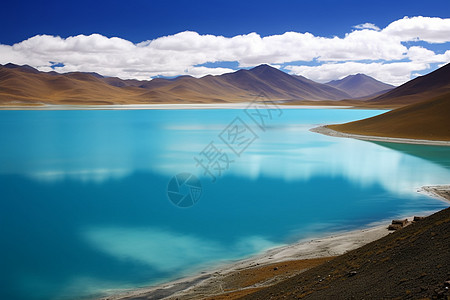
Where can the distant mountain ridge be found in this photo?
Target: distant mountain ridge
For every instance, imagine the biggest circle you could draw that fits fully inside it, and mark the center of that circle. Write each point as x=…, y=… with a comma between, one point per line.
x=24, y=84
x=360, y=85
x=421, y=88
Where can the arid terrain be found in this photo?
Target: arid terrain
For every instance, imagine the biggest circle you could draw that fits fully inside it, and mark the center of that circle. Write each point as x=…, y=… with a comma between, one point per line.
x=428, y=120
x=426, y=115
x=410, y=263
x=24, y=85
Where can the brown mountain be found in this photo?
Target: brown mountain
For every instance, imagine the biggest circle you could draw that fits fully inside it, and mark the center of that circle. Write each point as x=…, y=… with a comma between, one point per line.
x=277, y=84
x=360, y=85
x=421, y=88
x=242, y=85
x=22, y=85
x=426, y=119
x=245, y=85
x=26, y=85
x=324, y=88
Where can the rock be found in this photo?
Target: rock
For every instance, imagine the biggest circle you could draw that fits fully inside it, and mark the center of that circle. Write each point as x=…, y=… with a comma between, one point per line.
x=400, y=222
x=276, y=268
x=416, y=218
x=395, y=227
x=351, y=273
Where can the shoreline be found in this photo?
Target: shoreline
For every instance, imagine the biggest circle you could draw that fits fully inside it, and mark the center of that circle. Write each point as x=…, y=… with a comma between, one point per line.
x=328, y=246
x=440, y=192
x=330, y=132
x=209, y=283
x=238, y=105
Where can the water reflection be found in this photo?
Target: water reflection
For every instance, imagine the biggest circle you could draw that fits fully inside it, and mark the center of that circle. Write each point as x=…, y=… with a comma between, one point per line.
x=439, y=155
x=84, y=206
x=97, y=146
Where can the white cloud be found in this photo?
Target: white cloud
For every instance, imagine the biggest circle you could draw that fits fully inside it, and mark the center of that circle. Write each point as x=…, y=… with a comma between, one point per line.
x=420, y=54
x=202, y=71
x=168, y=251
x=366, y=48
x=395, y=73
x=431, y=30
x=367, y=26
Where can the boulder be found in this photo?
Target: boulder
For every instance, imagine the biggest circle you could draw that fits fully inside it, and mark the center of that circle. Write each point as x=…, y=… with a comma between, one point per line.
x=395, y=227
x=400, y=222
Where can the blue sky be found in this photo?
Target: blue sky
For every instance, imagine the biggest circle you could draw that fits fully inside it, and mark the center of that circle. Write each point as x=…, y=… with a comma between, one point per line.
x=136, y=21
x=140, y=20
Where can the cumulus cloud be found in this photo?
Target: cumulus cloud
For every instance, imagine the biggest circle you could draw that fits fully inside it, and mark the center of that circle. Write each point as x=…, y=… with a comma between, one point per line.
x=367, y=26
x=431, y=30
x=365, y=49
x=396, y=73
x=420, y=54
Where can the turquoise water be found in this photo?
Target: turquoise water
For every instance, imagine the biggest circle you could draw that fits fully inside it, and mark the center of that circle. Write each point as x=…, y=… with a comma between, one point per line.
x=84, y=209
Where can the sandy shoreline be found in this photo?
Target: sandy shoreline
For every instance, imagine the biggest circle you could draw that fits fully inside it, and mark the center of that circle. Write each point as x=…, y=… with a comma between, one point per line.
x=240, y=105
x=441, y=192
x=211, y=282
x=332, y=245
x=330, y=132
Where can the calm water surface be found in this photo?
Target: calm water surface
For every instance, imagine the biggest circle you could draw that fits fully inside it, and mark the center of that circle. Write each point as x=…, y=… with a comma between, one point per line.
x=83, y=194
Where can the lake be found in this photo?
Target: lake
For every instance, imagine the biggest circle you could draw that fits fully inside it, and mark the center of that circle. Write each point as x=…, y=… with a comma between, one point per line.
x=91, y=202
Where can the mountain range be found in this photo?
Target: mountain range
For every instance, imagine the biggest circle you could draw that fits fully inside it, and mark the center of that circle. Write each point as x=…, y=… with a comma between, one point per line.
x=26, y=85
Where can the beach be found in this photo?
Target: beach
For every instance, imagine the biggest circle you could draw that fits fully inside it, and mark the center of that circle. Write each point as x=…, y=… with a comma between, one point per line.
x=273, y=266
x=240, y=105
x=330, y=132
x=306, y=253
